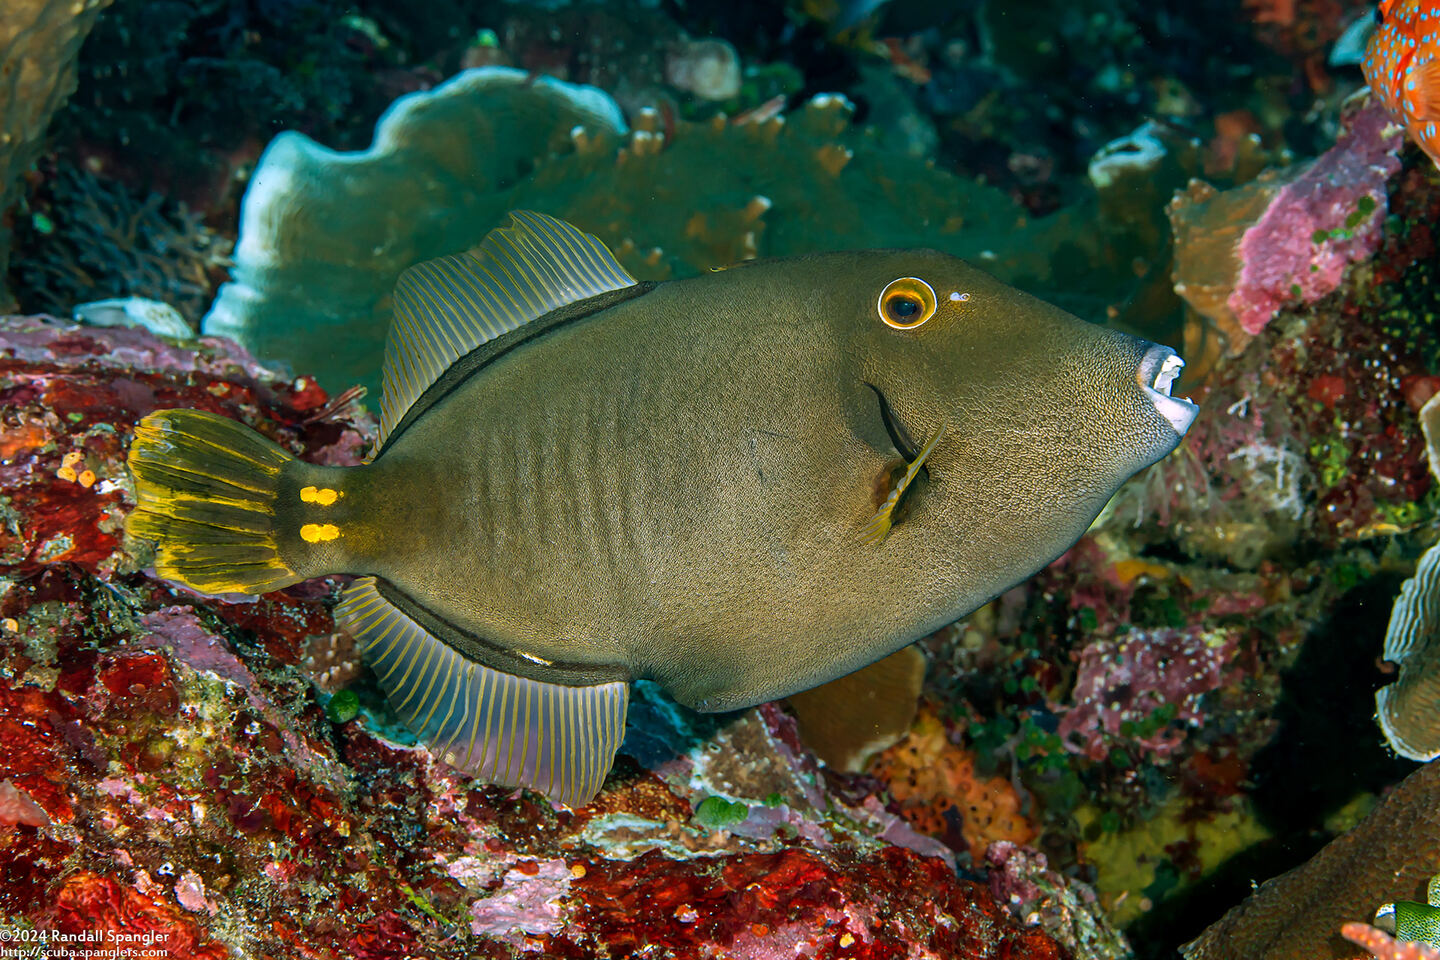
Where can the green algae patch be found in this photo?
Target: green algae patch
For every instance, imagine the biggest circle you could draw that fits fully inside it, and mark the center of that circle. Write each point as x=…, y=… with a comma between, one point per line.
x=717, y=813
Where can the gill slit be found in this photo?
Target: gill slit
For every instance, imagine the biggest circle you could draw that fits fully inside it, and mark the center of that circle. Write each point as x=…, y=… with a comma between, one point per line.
x=898, y=434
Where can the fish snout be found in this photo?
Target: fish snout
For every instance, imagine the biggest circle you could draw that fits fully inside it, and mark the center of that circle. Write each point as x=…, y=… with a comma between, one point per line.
x=1159, y=369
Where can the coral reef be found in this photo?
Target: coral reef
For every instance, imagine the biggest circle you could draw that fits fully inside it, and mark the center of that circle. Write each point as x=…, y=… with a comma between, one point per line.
x=1067, y=909
x=940, y=793
x=1301, y=912
x=1140, y=685
x=1179, y=705
x=93, y=239
x=39, y=43
x=1381, y=945
x=323, y=236
x=1286, y=237
x=177, y=777
x=1406, y=708
x=774, y=185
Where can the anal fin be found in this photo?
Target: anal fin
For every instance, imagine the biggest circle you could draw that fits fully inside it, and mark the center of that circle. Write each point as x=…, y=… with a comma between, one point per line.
x=514, y=731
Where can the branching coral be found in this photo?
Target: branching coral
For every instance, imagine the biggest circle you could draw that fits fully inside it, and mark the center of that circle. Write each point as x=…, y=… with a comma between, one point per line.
x=39, y=41
x=102, y=241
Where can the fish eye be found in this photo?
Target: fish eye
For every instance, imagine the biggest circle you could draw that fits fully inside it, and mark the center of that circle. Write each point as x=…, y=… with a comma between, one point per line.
x=906, y=303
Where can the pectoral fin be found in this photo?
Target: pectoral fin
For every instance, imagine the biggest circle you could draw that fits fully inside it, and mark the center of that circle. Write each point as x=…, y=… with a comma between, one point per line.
x=879, y=526
x=514, y=731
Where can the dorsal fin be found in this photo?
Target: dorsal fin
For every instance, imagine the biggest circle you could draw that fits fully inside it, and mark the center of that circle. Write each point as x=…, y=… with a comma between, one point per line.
x=446, y=307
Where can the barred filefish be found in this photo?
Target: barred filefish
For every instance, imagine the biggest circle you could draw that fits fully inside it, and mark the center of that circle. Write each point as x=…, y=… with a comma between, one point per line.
x=742, y=485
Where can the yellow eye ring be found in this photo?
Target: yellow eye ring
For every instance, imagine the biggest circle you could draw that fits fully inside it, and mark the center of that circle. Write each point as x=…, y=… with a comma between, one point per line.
x=906, y=303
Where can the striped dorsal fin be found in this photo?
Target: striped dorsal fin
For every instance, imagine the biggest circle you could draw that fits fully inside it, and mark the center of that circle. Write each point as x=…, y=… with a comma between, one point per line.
x=446, y=307
x=517, y=732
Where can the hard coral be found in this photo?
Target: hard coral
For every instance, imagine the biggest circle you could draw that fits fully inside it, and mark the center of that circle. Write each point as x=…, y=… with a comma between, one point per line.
x=324, y=235
x=1298, y=913
x=1406, y=708
x=321, y=242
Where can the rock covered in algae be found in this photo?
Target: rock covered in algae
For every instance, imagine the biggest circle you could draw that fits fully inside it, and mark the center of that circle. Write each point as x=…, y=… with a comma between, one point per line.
x=1311, y=435
x=39, y=43
x=1021, y=877
x=1389, y=856
x=170, y=775
x=1287, y=237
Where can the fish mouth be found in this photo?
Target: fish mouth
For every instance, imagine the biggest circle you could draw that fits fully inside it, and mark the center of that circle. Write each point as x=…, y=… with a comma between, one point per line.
x=1159, y=369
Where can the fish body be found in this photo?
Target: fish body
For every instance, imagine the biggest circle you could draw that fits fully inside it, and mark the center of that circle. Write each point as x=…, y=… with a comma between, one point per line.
x=681, y=482
x=1402, y=66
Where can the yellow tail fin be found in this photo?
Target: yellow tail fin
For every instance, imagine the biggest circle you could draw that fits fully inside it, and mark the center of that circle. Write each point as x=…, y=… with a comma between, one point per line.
x=206, y=489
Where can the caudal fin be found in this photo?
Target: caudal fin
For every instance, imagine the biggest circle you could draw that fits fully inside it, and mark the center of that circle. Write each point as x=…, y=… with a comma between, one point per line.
x=206, y=488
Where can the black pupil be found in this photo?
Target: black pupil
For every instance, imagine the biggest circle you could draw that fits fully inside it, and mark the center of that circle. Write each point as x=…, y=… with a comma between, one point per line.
x=903, y=308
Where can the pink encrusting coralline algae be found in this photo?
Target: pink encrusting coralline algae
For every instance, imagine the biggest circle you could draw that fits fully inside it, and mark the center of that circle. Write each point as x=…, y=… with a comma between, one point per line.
x=1145, y=687
x=1320, y=222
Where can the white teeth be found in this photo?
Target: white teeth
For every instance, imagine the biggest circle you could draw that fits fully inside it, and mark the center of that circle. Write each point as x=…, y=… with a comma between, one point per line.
x=1169, y=370
x=1180, y=413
